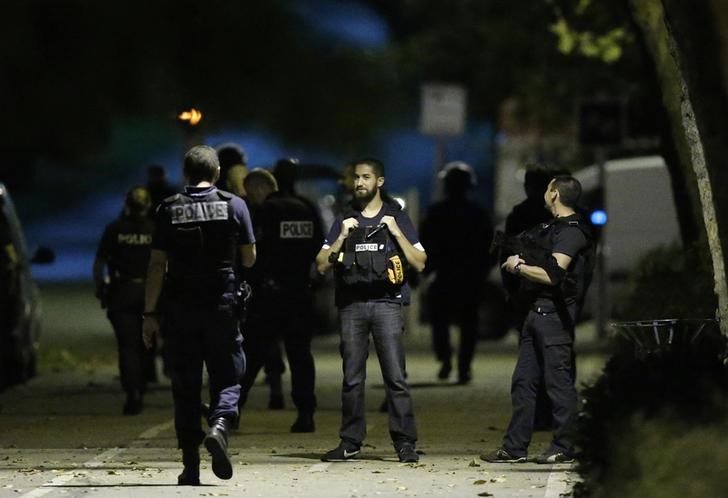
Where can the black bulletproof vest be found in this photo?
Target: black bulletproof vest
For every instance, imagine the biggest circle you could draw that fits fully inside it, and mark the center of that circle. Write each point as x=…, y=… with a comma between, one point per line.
x=291, y=239
x=578, y=275
x=203, y=236
x=129, y=253
x=364, y=262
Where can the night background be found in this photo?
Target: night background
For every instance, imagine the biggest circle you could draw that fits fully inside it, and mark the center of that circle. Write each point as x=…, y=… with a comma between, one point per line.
x=91, y=92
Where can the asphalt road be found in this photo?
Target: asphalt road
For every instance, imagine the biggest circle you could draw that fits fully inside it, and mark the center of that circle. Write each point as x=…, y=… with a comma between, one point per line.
x=62, y=434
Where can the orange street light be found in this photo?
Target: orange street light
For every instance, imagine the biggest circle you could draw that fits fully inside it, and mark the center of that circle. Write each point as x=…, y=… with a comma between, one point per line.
x=193, y=116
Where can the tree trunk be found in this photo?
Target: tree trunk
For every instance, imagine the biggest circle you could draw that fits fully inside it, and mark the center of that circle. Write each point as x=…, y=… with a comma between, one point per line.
x=683, y=40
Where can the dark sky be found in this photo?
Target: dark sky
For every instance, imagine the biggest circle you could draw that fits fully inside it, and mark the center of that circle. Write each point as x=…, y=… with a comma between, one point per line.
x=72, y=71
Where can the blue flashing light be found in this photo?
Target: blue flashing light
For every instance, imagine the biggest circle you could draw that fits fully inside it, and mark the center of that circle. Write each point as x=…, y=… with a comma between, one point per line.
x=599, y=217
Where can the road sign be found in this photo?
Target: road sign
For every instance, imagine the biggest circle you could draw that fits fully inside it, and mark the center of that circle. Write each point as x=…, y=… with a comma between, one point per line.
x=442, y=109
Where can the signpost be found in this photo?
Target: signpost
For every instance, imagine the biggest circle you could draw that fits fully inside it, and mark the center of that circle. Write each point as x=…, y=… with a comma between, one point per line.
x=442, y=114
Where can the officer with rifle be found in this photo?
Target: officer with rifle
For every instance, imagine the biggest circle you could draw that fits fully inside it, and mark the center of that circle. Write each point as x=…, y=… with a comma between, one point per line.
x=553, y=261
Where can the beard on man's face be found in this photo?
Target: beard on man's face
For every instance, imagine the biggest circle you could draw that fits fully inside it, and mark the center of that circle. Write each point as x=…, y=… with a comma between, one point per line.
x=363, y=196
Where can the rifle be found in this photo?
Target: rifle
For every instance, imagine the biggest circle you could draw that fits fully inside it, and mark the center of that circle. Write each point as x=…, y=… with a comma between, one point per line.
x=524, y=244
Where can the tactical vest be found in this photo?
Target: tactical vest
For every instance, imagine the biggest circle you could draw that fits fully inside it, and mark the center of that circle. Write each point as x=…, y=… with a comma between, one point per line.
x=203, y=236
x=373, y=262
x=130, y=247
x=579, y=275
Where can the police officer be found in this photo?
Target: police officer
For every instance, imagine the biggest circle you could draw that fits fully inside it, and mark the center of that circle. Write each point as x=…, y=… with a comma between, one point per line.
x=370, y=248
x=457, y=233
x=121, y=260
x=288, y=235
x=525, y=215
x=546, y=342
x=233, y=168
x=198, y=235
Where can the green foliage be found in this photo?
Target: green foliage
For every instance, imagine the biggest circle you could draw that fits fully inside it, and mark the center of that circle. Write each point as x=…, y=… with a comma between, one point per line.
x=607, y=47
x=670, y=282
x=668, y=457
x=585, y=41
x=652, y=426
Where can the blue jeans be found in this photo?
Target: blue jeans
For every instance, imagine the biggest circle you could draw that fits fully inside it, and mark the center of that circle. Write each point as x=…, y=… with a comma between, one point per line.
x=384, y=321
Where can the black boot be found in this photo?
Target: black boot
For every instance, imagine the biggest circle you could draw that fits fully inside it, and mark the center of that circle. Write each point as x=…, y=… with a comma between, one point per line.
x=190, y=475
x=133, y=404
x=304, y=423
x=216, y=443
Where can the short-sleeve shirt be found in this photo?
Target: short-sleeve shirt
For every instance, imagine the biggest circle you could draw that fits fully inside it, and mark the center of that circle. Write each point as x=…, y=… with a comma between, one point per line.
x=346, y=295
x=569, y=240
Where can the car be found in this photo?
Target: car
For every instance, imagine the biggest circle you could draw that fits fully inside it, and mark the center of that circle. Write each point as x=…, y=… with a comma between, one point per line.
x=19, y=298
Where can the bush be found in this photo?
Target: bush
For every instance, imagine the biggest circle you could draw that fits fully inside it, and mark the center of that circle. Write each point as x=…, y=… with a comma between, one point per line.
x=670, y=282
x=653, y=424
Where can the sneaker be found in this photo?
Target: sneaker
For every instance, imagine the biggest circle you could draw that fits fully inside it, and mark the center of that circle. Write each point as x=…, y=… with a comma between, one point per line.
x=406, y=453
x=558, y=457
x=502, y=456
x=341, y=453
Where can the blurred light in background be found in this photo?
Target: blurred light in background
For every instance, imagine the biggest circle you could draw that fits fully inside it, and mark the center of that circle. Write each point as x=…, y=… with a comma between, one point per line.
x=599, y=217
x=346, y=21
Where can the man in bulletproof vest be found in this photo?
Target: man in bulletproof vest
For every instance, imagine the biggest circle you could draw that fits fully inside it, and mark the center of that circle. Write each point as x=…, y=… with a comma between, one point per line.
x=370, y=248
x=457, y=233
x=288, y=234
x=556, y=280
x=525, y=215
x=119, y=271
x=199, y=235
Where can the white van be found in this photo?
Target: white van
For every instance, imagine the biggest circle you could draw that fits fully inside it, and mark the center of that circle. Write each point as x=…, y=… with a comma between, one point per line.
x=641, y=214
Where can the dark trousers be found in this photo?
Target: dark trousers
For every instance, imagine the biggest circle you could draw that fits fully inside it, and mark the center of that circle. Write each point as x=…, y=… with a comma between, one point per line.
x=127, y=325
x=545, y=354
x=385, y=323
x=197, y=333
x=126, y=303
x=285, y=316
x=466, y=319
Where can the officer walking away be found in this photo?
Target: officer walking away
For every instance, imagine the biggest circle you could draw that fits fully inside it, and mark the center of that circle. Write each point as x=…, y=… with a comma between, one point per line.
x=119, y=270
x=288, y=235
x=557, y=275
x=457, y=233
x=370, y=248
x=199, y=234
x=159, y=186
